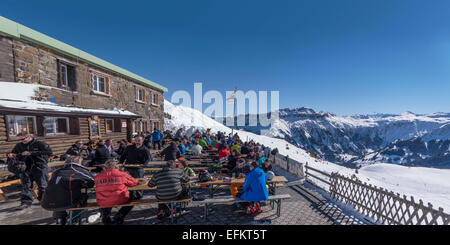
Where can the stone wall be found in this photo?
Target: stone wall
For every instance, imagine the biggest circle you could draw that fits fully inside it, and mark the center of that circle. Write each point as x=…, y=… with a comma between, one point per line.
x=6, y=60
x=36, y=64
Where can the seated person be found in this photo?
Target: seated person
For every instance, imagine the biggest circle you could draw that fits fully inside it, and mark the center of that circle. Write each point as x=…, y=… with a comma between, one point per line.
x=202, y=142
x=171, y=185
x=77, y=149
x=255, y=188
x=232, y=159
x=171, y=152
x=267, y=166
x=251, y=155
x=182, y=148
x=236, y=147
x=196, y=149
x=224, y=153
x=65, y=187
x=101, y=154
x=238, y=171
x=111, y=187
x=260, y=159
x=121, y=146
x=186, y=169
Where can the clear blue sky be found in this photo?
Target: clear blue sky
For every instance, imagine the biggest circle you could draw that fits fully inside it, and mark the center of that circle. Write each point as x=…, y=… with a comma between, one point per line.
x=340, y=56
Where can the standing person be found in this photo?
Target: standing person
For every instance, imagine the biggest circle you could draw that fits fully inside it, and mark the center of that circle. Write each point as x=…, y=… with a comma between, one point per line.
x=179, y=134
x=171, y=185
x=157, y=136
x=65, y=188
x=255, y=188
x=35, y=155
x=111, y=188
x=136, y=154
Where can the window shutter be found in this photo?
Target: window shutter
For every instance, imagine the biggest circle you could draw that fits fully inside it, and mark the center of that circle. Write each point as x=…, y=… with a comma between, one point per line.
x=72, y=76
x=40, y=126
x=117, y=125
x=107, y=85
x=92, y=81
x=59, y=80
x=74, y=126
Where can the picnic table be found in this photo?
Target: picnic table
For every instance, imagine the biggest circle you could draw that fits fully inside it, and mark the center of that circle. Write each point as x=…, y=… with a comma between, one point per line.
x=218, y=182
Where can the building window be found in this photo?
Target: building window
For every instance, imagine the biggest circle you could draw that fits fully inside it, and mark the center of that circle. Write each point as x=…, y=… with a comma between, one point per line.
x=145, y=126
x=56, y=125
x=155, y=98
x=94, y=129
x=100, y=83
x=140, y=94
x=156, y=125
x=109, y=125
x=21, y=124
x=136, y=127
x=66, y=76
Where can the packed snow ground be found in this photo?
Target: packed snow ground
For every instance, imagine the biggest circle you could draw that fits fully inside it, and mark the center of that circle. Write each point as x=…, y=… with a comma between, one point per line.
x=430, y=185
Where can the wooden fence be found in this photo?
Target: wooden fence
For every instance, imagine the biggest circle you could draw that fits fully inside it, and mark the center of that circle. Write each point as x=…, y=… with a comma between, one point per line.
x=384, y=206
x=381, y=205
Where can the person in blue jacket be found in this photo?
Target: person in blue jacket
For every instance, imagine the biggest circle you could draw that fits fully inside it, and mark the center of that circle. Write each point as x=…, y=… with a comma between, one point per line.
x=255, y=189
x=182, y=148
x=157, y=137
x=230, y=140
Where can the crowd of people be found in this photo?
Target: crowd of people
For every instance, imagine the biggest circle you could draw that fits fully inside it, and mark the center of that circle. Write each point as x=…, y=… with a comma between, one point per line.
x=66, y=188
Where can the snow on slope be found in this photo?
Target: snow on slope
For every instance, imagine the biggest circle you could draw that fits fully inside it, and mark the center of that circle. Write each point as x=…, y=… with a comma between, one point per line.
x=430, y=185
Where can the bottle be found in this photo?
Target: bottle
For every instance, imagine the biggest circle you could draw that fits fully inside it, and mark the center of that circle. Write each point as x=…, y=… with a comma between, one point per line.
x=93, y=218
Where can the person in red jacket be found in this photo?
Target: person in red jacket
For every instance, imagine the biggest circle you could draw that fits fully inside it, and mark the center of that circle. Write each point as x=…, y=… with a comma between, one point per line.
x=111, y=187
x=224, y=153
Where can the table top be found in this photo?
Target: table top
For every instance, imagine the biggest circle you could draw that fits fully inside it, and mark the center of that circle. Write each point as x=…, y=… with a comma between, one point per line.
x=276, y=179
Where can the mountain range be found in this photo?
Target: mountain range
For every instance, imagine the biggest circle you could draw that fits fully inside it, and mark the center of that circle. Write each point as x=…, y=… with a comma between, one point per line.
x=407, y=139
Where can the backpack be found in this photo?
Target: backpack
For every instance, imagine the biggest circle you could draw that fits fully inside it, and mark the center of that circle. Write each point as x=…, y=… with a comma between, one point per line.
x=215, y=167
x=15, y=166
x=204, y=176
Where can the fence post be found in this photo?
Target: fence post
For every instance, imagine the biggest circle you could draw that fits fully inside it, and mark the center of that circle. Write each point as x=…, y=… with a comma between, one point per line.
x=287, y=163
x=306, y=171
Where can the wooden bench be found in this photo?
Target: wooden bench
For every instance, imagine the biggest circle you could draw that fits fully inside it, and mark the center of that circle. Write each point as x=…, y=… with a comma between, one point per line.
x=172, y=205
x=6, y=184
x=231, y=200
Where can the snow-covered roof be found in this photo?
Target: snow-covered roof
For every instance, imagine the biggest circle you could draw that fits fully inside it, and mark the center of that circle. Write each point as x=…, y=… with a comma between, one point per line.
x=21, y=96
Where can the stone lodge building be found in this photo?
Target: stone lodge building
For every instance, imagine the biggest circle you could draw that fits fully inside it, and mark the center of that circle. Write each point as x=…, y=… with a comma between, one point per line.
x=61, y=94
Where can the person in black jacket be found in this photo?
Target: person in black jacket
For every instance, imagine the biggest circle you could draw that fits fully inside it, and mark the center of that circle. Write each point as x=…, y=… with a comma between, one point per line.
x=171, y=152
x=77, y=149
x=35, y=155
x=101, y=154
x=136, y=154
x=65, y=187
x=122, y=146
x=148, y=140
